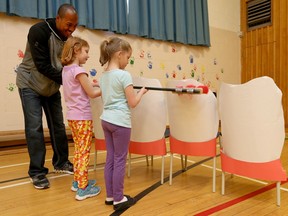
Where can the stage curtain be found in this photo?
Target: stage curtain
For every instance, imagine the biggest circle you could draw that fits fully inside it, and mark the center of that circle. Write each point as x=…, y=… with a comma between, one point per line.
x=110, y=15
x=184, y=21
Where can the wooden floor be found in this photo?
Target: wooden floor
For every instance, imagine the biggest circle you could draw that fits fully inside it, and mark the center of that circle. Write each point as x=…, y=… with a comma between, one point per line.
x=190, y=194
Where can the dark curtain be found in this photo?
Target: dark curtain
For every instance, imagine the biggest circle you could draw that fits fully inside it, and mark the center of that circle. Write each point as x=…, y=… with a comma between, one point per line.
x=183, y=21
x=110, y=15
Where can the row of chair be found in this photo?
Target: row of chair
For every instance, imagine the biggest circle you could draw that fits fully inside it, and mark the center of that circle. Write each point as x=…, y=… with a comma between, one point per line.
x=252, y=127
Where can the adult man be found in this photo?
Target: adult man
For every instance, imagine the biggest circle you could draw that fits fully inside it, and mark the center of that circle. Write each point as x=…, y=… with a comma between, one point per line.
x=38, y=79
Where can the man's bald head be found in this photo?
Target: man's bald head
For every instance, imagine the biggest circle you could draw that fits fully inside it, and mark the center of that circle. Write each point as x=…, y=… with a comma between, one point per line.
x=64, y=8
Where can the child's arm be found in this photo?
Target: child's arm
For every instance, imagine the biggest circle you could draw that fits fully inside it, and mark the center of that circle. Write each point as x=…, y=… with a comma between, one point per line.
x=132, y=98
x=87, y=86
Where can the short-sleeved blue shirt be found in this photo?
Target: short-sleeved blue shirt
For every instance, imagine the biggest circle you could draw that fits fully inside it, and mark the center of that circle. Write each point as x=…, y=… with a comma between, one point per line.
x=115, y=105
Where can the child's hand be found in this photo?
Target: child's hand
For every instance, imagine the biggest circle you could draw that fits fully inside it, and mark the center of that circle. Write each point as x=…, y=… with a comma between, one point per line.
x=143, y=90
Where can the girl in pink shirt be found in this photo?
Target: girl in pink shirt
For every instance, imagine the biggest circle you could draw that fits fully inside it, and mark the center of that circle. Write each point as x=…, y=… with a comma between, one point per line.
x=78, y=90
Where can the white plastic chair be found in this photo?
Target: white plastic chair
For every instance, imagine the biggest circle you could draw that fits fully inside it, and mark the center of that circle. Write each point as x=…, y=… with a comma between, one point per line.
x=253, y=131
x=194, y=124
x=97, y=107
x=149, y=119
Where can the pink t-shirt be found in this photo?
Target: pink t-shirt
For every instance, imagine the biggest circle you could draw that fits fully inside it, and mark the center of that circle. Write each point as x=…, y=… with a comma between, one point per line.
x=77, y=101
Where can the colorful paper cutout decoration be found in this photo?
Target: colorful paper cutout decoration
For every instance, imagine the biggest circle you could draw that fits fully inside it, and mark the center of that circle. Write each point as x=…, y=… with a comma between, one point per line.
x=142, y=54
x=192, y=73
x=20, y=54
x=141, y=73
x=215, y=61
x=183, y=76
x=203, y=77
x=167, y=75
x=174, y=74
x=132, y=60
x=149, y=56
x=203, y=68
x=11, y=87
x=191, y=60
x=179, y=67
x=173, y=49
x=162, y=66
x=150, y=65
x=208, y=84
x=93, y=72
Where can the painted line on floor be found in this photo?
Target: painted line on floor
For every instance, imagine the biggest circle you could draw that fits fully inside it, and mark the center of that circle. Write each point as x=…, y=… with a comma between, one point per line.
x=237, y=200
x=219, y=170
x=58, y=175
x=158, y=184
x=26, y=163
x=28, y=182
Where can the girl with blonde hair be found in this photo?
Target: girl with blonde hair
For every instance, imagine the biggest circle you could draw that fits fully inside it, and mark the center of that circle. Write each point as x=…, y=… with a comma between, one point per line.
x=78, y=90
x=118, y=97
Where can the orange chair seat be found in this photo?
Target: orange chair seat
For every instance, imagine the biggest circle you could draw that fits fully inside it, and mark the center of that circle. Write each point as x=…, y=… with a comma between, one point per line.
x=100, y=144
x=207, y=148
x=157, y=147
x=270, y=171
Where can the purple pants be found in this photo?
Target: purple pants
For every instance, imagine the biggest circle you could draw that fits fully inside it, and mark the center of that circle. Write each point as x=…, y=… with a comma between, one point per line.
x=117, y=140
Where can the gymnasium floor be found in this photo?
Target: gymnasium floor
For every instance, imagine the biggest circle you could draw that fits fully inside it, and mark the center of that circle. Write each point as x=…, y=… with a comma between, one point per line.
x=190, y=194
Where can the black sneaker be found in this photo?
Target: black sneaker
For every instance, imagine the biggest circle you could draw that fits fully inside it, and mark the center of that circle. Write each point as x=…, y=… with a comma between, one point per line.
x=108, y=202
x=66, y=168
x=40, y=182
x=124, y=205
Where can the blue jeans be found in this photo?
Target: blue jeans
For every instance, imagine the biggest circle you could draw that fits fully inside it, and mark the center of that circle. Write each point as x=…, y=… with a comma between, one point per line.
x=33, y=105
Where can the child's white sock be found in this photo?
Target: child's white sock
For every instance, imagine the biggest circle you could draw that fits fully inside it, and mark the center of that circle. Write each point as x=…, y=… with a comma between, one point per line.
x=123, y=200
x=108, y=199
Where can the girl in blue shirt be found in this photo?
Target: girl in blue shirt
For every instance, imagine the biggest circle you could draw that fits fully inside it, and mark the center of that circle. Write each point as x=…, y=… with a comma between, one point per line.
x=118, y=97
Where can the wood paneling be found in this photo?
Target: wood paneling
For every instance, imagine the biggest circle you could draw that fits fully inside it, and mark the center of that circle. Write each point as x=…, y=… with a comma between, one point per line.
x=17, y=137
x=264, y=50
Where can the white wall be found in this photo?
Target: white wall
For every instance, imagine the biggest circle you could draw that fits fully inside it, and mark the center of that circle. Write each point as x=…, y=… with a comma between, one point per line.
x=224, y=14
x=220, y=62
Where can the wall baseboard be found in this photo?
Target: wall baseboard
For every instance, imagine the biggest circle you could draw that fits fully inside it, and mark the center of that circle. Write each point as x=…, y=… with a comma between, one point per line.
x=17, y=138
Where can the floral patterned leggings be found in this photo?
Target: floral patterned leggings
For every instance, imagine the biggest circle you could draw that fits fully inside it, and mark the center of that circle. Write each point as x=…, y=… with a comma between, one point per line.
x=82, y=132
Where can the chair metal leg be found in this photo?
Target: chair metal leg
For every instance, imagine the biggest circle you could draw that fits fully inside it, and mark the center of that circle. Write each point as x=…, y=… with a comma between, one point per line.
x=95, y=159
x=278, y=193
x=129, y=164
x=214, y=174
x=223, y=183
x=147, y=160
x=170, y=171
x=220, y=141
x=162, y=170
x=182, y=164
